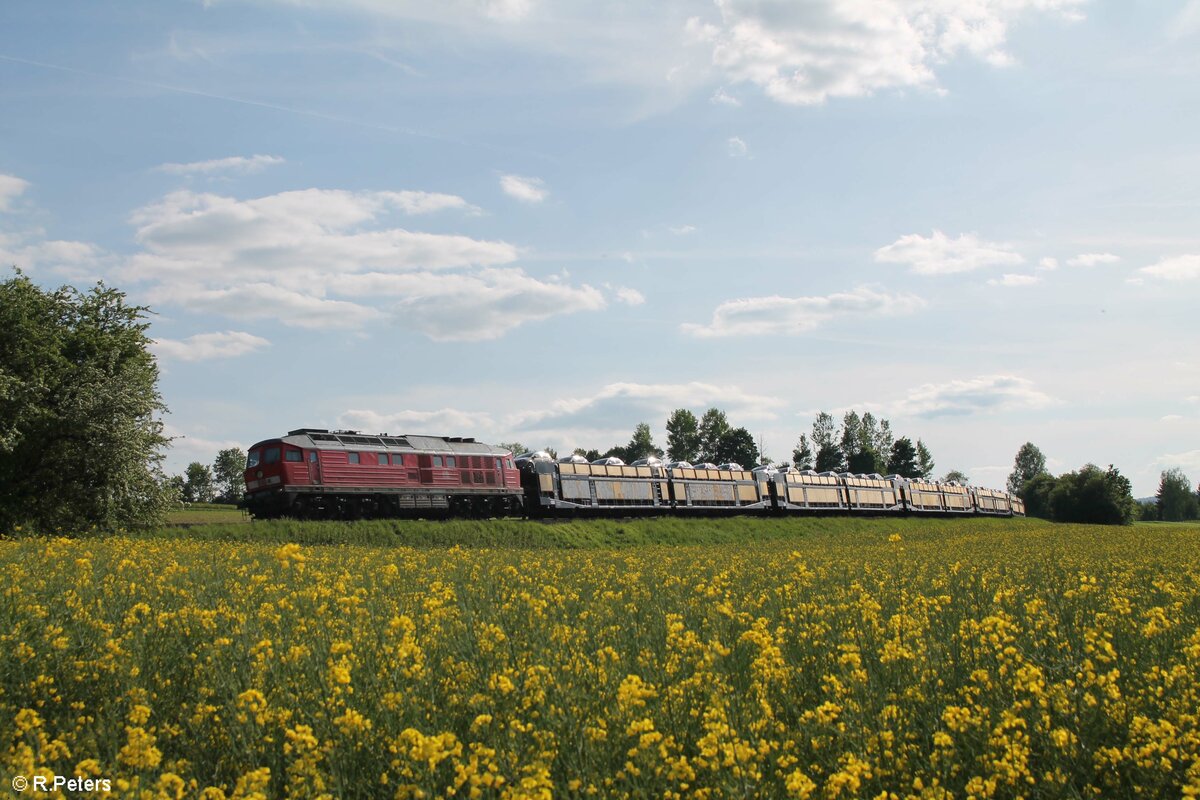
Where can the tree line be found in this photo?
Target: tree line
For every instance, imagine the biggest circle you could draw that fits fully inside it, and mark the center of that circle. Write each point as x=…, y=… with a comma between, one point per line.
x=222, y=482
x=863, y=444
x=1092, y=494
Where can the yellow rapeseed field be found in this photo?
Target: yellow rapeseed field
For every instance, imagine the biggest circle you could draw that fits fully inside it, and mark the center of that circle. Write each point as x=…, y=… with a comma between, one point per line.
x=1027, y=660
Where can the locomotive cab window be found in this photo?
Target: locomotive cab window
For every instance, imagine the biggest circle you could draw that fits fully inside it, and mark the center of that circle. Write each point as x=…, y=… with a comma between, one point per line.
x=352, y=457
x=383, y=459
x=293, y=455
x=271, y=455
x=252, y=460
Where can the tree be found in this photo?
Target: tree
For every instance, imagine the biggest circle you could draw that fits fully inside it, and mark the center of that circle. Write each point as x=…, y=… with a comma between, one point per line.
x=1093, y=495
x=924, y=460
x=902, y=460
x=1029, y=463
x=852, y=436
x=737, y=445
x=1148, y=512
x=80, y=437
x=198, y=487
x=1175, y=499
x=683, y=435
x=590, y=455
x=641, y=444
x=829, y=455
x=1036, y=493
x=228, y=469
x=802, y=454
x=955, y=476
x=713, y=427
x=516, y=448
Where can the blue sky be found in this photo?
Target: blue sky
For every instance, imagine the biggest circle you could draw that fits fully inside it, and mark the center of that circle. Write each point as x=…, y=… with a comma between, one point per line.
x=548, y=222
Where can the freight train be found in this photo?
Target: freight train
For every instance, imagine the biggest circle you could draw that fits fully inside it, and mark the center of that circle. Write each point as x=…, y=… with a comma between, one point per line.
x=314, y=473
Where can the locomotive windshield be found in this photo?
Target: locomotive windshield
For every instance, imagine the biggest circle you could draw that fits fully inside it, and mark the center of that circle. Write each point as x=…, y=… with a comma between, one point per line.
x=252, y=459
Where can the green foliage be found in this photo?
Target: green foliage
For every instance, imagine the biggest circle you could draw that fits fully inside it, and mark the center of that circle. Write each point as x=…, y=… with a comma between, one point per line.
x=641, y=445
x=1175, y=498
x=924, y=460
x=902, y=460
x=683, y=435
x=1028, y=464
x=80, y=438
x=737, y=445
x=198, y=484
x=802, y=454
x=515, y=447
x=956, y=476
x=227, y=470
x=1036, y=494
x=1147, y=512
x=714, y=426
x=1095, y=496
x=829, y=459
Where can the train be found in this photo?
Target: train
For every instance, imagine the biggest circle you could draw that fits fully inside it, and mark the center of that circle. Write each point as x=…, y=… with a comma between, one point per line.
x=315, y=473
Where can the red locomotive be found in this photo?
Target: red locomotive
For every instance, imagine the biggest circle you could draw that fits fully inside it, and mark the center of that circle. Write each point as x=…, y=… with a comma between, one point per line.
x=318, y=474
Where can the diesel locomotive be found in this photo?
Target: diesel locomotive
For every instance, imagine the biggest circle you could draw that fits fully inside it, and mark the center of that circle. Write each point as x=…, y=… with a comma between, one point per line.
x=315, y=473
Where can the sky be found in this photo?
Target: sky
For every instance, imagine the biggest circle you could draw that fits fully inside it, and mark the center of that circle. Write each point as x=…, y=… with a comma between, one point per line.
x=550, y=221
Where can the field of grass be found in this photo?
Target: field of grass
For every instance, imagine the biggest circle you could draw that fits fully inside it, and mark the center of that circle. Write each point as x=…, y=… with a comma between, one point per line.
x=826, y=658
x=207, y=514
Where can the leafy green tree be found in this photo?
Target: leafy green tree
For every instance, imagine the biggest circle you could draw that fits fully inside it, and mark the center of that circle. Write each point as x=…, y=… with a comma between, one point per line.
x=851, y=439
x=1093, y=495
x=1029, y=463
x=228, y=474
x=1036, y=493
x=829, y=455
x=1148, y=512
x=198, y=487
x=713, y=427
x=955, y=476
x=80, y=436
x=902, y=460
x=1175, y=498
x=802, y=454
x=516, y=448
x=737, y=445
x=683, y=435
x=924, y=460
x=641, y=444
x=590, y=455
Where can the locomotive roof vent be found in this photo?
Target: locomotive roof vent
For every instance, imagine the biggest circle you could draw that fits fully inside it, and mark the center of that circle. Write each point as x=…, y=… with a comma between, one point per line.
x=302, y=431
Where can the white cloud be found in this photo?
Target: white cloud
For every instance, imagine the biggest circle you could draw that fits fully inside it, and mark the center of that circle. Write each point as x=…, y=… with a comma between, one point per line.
x=1186, y=22
x=620, y=406
x=252, y=301
x=723, y=98
x=290, y=256
x=444, y=421
x=793, y=315
x=237, y=164
x=1179, y=268
x=1188, y=461
x=681, y=230
x=805, y=53
x=1013, y=279
x=1172, y=418
x=630, y=297
x=1048, y=264
x=940, y=255
x=11, y=187
x=737, y=147
x=204, y=346
x=986, y=393
x=527, y=190
x=1092, y=259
